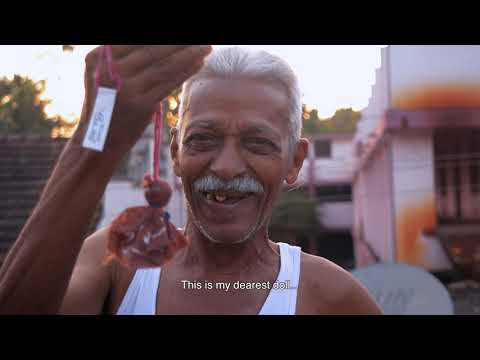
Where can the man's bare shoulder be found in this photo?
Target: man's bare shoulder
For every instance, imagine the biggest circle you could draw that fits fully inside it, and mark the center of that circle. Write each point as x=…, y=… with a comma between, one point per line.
x=91, y=278
x=94, y=248
x=94, y=255
x=330, y=289
x=97, y=285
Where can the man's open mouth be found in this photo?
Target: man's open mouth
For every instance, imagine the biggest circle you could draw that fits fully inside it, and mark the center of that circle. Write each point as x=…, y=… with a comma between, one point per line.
x=223, y=197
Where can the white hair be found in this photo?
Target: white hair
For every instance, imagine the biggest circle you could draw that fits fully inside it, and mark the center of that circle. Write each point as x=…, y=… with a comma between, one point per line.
x=237, y=61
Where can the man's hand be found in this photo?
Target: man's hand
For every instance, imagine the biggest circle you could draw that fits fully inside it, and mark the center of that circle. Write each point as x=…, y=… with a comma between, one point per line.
x=149, y=73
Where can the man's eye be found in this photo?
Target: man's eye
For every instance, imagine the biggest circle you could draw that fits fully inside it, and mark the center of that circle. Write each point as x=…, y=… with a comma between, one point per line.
x=261, y=145
x=200, y=141
x=199, y=137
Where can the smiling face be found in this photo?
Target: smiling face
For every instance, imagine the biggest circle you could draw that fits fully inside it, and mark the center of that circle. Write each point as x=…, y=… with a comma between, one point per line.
x=233, y=154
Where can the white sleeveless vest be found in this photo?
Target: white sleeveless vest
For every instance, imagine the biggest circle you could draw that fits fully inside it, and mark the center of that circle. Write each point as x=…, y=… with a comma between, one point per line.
x=141, y=296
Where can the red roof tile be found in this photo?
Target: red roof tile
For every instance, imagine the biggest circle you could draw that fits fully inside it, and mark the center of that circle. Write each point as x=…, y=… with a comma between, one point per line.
x=26, y=163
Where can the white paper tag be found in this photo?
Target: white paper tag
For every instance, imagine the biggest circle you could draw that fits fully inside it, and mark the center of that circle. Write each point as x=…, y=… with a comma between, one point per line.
x=100, y=120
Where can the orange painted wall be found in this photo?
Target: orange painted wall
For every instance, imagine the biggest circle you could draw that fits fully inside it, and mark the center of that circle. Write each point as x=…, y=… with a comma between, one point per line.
x=439, y=96
x=411, y=221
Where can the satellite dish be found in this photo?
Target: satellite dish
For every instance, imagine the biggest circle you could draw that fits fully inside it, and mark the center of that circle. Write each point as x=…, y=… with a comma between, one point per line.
x=405, y=290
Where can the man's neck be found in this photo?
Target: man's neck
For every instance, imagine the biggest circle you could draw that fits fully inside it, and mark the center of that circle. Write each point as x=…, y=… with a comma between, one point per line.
x=228, y=259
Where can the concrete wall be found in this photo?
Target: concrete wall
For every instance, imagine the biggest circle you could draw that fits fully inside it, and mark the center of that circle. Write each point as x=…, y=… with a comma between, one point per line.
x=378, y=103
x=414, y=201
x=394, y=204
x=373, y=208
x=336, y=215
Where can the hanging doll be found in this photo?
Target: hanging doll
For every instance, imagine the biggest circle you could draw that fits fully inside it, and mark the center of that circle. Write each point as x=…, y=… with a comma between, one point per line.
x=143, y=236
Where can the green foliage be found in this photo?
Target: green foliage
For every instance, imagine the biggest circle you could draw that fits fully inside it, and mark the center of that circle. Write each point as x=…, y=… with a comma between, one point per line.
x=21, y=109
x=68, y=48
x=344, y=121
x=171, y=105
x=295, y=213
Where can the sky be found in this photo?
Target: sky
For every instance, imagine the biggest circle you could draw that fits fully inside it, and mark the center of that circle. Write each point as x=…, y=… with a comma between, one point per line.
x=331, y=77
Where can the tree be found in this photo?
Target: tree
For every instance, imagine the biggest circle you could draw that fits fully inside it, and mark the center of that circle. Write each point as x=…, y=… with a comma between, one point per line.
x=294, y=217
x=21, y=108
x=171, y=106
x=311, y=121
x=68, y=48
x=344, y=121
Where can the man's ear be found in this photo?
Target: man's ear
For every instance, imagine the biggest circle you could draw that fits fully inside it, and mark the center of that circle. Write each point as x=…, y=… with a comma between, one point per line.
x=299, y=154
x=174, y=151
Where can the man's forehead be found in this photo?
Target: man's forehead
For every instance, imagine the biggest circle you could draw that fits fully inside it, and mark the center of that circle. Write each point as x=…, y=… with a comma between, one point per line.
x=215, y=100
x=217, y=124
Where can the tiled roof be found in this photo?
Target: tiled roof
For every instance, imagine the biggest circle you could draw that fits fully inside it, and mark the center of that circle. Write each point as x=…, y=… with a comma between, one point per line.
x=26, y=162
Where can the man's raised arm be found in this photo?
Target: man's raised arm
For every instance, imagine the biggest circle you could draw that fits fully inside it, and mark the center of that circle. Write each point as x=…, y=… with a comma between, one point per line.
x=36, y=274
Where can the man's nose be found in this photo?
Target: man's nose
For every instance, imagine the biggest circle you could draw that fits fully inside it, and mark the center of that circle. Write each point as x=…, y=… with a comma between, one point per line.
x=229, y=163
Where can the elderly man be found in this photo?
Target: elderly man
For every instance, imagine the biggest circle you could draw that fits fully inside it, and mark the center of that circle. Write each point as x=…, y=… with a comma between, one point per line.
x=237, y=142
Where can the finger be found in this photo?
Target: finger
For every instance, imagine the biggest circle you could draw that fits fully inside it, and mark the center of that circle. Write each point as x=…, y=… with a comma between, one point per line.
x=91, y=59
x=136, y=60
x=182, y=58
x=158, y=93
x=178, y=63
x=121, y=51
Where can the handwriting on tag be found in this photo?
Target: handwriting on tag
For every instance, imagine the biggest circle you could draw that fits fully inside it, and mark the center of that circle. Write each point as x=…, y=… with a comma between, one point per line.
x=100, y=119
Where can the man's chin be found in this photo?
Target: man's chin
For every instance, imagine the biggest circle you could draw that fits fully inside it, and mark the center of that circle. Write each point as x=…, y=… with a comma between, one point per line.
x=227, y=234
x=225, y=231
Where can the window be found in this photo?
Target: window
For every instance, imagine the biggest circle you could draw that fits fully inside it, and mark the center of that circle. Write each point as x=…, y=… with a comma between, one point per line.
x=474, y=164
x=457, y=174
x=474, y=169
x=442, y=178
x=323, y=148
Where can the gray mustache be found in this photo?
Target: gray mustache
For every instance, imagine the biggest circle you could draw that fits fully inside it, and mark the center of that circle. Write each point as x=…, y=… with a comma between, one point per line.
x=245, y=184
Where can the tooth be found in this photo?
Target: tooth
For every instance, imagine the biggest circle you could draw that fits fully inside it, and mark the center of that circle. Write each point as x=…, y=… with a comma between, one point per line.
x=209, y=196
x=220, y=198
x=146, y=239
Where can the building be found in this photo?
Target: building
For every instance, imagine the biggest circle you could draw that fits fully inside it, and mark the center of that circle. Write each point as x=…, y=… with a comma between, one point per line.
x=330, y=179
x=416, y=185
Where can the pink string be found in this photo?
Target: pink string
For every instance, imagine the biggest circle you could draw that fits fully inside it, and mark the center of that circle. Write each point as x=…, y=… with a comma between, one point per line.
x=157, y=118
x=106, y=57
